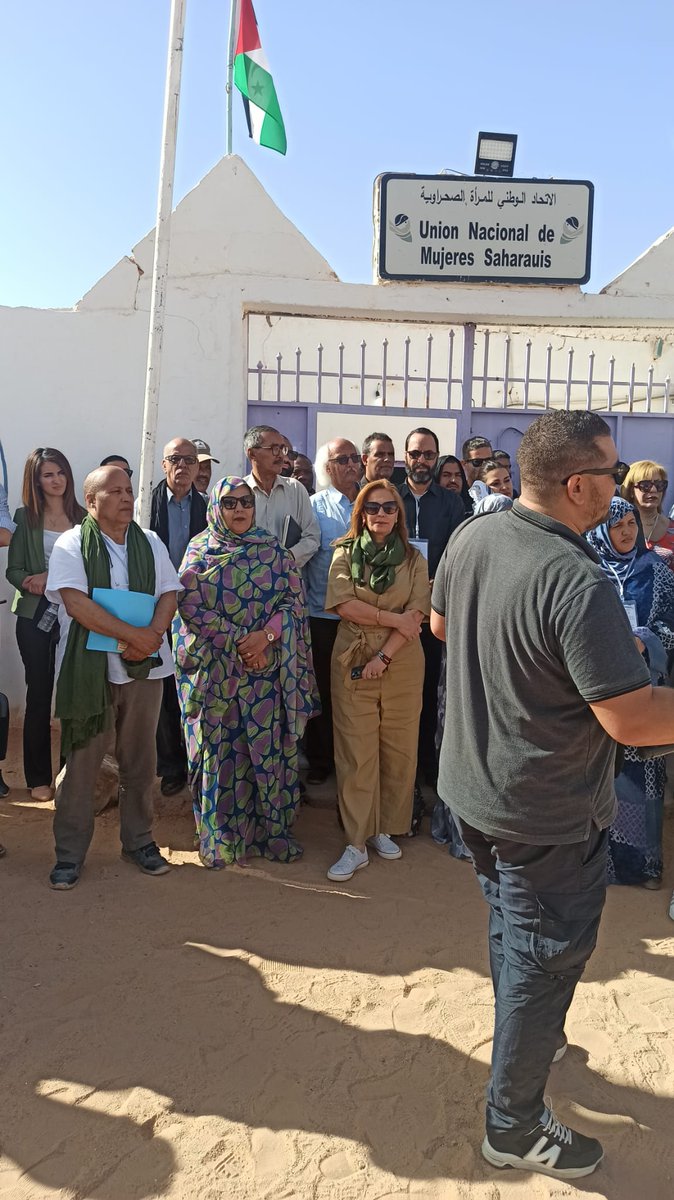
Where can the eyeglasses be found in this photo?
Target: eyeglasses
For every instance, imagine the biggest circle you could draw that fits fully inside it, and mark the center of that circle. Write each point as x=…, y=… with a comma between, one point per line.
x=230, y=502
x=275, y=449
x=128, y=471
x=427, y=455
x=389, y=507
x=478, y=462
x=345, y=459
x=188, y=459
x=619, y=472
x=652, y=485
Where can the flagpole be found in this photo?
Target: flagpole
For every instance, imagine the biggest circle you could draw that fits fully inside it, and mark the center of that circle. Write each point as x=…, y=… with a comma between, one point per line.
x=162, y=243
x=230, y=71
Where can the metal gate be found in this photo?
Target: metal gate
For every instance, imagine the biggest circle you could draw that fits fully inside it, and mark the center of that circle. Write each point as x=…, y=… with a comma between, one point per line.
x=460, y=380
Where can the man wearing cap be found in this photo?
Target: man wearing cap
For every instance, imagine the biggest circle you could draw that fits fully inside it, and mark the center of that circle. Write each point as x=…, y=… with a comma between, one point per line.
x=178, y=513
x=281, y=505
x=204, y=458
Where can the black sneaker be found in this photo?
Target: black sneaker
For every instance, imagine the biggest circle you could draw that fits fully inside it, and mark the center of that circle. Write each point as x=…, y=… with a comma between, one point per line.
x=171, y=785
x=64, y=876
x=4, y=788
x=550, y=1148
x=147, y=859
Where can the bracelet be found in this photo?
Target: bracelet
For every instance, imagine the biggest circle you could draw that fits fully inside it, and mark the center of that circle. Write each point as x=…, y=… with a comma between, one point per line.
x=384, y=658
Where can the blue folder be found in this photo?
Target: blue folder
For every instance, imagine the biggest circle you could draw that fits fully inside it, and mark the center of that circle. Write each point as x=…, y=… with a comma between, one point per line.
x=136, y=608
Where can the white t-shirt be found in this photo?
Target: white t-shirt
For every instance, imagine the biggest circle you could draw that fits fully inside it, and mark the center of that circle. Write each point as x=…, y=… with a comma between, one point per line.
x=66, y=570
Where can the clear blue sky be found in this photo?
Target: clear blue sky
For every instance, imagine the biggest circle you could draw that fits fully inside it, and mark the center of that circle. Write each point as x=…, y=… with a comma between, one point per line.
x=364, y=85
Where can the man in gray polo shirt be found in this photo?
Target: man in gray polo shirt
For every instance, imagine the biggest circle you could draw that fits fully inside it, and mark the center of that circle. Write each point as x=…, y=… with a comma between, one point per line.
x=545, y=678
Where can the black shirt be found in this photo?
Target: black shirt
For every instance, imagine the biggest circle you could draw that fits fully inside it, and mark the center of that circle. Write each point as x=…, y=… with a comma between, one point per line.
x=440, y=512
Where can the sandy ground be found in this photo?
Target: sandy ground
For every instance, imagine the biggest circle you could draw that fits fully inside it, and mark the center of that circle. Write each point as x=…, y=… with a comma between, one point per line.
x=264, y=1034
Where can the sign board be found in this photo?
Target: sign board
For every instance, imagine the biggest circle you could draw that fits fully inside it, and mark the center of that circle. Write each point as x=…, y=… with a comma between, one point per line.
x=441, y=228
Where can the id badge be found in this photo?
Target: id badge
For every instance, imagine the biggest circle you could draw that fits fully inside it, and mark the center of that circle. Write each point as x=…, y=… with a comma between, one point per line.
x=420, y=544
x=631, y=610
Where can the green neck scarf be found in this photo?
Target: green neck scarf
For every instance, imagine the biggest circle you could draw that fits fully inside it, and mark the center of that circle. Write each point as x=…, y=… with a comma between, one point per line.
x=382, y=560
x=83, y=701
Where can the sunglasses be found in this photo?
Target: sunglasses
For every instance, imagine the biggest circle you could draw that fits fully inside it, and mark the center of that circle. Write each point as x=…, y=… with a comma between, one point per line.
x=275, y=449
x=188, y=459
x=128, y=471
x=652, y=485
x=345, y=459
x=427, y=455
x=619, y=472
x=389, y=507
x=230, y=502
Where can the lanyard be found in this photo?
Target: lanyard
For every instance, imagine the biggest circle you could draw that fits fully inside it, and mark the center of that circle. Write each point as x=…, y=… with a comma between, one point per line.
x=416, y=501
x=620, y=584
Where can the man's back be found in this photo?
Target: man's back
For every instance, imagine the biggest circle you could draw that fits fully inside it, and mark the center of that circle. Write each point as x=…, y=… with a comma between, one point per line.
x=529, y=620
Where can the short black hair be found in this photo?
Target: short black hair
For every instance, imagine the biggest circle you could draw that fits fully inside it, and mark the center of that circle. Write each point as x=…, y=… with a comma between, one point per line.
x=502, y=454
x=473, y=443
x=557, y=444
x=490, y=464
x=114, y=458
x=427, y=433
x=375, y=437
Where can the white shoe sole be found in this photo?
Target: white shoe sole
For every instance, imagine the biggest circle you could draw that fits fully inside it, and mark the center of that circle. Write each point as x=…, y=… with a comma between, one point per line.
x=498, y=1159
x=560, y=1052
x=338, y=878
x=383, y=854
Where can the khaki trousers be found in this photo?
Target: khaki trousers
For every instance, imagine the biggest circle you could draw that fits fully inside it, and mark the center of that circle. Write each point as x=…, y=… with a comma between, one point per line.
x=376, y=727
x=132, y=741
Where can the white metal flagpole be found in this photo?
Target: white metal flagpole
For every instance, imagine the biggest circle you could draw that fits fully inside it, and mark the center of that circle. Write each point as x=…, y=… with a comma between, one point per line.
x=233, y=24
x=162, y=243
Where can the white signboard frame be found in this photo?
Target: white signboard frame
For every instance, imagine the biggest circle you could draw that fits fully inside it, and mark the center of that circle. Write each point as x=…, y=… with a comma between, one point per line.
x=474, y=229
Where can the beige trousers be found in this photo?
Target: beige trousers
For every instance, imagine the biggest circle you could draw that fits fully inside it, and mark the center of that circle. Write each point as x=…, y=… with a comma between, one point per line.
x=376, y=727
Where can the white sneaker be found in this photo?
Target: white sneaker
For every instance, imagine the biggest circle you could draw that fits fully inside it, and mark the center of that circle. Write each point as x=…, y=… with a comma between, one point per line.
x=671, y=907
x=385, y=846
x=351, y=861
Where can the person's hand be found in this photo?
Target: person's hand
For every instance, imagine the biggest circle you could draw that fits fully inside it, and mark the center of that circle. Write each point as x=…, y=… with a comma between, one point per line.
x=144, y=642
x=409, y=625
x=640, y=644
x=131, y=655
x=35, y=584
x=253, y=646
x=259, y=661
x=374, y=669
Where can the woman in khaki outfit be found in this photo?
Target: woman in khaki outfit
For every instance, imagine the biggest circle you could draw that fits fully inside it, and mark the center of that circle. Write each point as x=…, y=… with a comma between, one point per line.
x=378, y=586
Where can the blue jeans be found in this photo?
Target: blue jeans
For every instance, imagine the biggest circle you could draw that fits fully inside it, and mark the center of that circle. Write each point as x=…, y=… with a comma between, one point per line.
x=545, y=904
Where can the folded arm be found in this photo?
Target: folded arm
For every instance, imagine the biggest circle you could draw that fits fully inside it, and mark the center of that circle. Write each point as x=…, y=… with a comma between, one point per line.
x=145, y=640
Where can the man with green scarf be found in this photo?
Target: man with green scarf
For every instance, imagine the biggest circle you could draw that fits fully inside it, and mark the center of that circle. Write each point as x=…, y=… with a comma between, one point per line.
x=108, y=700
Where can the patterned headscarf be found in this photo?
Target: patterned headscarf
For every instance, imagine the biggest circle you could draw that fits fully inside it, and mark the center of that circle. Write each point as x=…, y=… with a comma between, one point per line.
x=611, y=561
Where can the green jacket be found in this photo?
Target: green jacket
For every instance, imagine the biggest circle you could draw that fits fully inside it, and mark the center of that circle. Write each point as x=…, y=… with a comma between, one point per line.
x=25, y=556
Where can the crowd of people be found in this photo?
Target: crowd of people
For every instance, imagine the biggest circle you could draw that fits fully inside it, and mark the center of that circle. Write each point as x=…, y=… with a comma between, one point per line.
x=365, y=619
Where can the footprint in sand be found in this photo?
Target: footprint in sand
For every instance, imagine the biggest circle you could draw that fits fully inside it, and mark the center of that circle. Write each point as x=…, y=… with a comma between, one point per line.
x=341, y=1165
x=273, y=1153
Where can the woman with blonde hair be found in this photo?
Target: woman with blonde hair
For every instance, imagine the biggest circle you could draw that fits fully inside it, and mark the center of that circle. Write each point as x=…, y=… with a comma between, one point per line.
x=378, y=587
x=49, y=509
x=644, y=487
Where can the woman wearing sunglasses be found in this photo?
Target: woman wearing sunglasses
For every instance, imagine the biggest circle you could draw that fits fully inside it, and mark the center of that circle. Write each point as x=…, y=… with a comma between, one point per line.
x=378, y=587
x=245, y=682
x=645, y=486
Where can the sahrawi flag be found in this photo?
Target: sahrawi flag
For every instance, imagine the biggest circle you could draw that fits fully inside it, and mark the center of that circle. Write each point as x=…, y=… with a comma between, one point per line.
x=252, y=77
